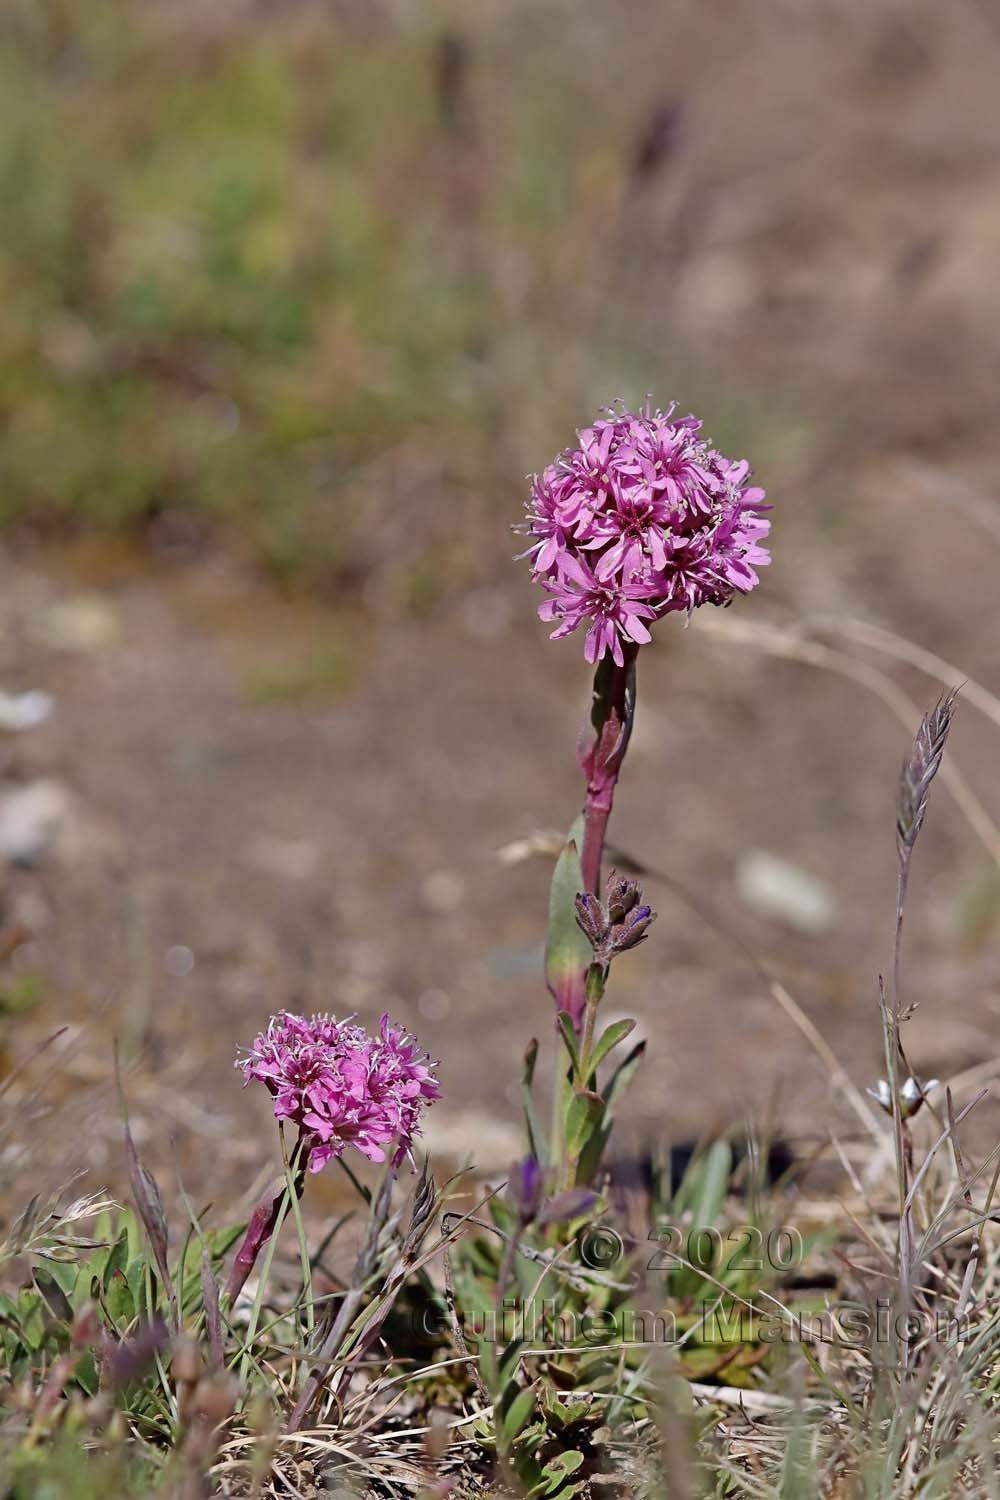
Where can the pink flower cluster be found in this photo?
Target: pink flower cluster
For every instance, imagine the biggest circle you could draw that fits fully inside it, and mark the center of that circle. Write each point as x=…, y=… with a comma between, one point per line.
x=342, y=1086
x=642, y=519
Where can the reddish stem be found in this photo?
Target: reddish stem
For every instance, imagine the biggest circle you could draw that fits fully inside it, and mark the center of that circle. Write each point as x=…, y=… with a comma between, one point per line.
x=596, y=812
x=614, y=705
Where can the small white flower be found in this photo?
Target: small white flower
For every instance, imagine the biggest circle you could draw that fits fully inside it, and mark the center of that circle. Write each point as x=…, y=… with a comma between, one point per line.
x=881, y=1095
x=911, y=1095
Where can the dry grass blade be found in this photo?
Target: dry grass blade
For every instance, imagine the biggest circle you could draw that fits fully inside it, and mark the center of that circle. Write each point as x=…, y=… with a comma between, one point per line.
x=148, y=1200
x=789, y=645
x=919, y=771
x=213, y=1317
x=878, y=638
x=16, y=1072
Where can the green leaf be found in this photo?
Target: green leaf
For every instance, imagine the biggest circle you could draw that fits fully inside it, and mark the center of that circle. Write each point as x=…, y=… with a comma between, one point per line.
x=560, y=1413
x=505, y=1218
x=709, y=1175
x=67, y=1275
x=117, y=1259
x=557, y=1471
x=583, y=1118
x=590, y=1157
x=565, y=1024
x=567, y=952
x=509, y=1364
x=13, y=1349
x=85, y=1374
x=609, y=1039
x=31, y=1318
x=517, y=1414
x=529, y=1473
x=536, y=1136
x=135, y=1276
x=488, y=1366
x=621, y=1078
x=118, y=1298
x=55, y=1298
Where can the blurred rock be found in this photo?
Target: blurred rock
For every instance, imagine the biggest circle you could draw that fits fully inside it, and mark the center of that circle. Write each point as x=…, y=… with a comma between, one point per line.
x=287, y=859
x=486, y=614
x=466, y=1137
x=434, y=1005
x=775, y=888
x=86, y=623
x=516, y=963
x=442, y=891
x=32, y=818
x=20, y=711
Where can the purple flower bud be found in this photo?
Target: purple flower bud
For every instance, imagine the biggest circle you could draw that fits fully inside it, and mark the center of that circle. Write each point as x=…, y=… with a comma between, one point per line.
x=622, y=896
x=633, y=930
x=526, y=1187
x=616, y=925
x=591, y=919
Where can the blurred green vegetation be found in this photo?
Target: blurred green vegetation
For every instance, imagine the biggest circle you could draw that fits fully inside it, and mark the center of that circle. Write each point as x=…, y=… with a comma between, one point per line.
x=222, y=285
x=316, y=278
x=230, y=281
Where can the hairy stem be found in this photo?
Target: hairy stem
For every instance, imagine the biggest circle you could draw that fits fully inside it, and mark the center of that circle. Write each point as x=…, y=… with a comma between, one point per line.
x=596, y=981
x=611, y=716
x=596, y=814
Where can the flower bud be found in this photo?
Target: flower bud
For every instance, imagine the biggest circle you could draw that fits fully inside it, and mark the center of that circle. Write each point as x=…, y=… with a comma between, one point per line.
x=622, y=896
x=526, y=1188
x=617, y=924
x=186, y=1363
x=631, y=932
x=591, y=919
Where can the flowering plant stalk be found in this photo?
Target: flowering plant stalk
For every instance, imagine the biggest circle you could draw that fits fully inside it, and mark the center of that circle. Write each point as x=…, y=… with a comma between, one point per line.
x=641, y=519
x=612, y=717
x=340, y=1087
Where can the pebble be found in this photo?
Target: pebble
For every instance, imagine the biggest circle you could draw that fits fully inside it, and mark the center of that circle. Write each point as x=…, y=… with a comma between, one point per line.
x=285, y=859
x=442, y=891
x=487, y=614
x=179, y=961
x=434, y=1005
x=86, y=623
x=776, y=888
x=20, y=711
x=32, y=817
x=484, y=1141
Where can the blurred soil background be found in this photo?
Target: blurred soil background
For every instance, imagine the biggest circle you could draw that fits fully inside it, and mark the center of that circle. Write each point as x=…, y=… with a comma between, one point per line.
x=293, y=297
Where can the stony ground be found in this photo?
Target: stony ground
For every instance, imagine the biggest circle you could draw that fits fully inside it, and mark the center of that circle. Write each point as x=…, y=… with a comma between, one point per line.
x=213, y=828
x=244, y=800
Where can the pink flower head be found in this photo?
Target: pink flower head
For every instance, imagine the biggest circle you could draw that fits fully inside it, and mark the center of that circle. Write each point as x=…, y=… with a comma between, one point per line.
x=341, y=1086
x=642, y=519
